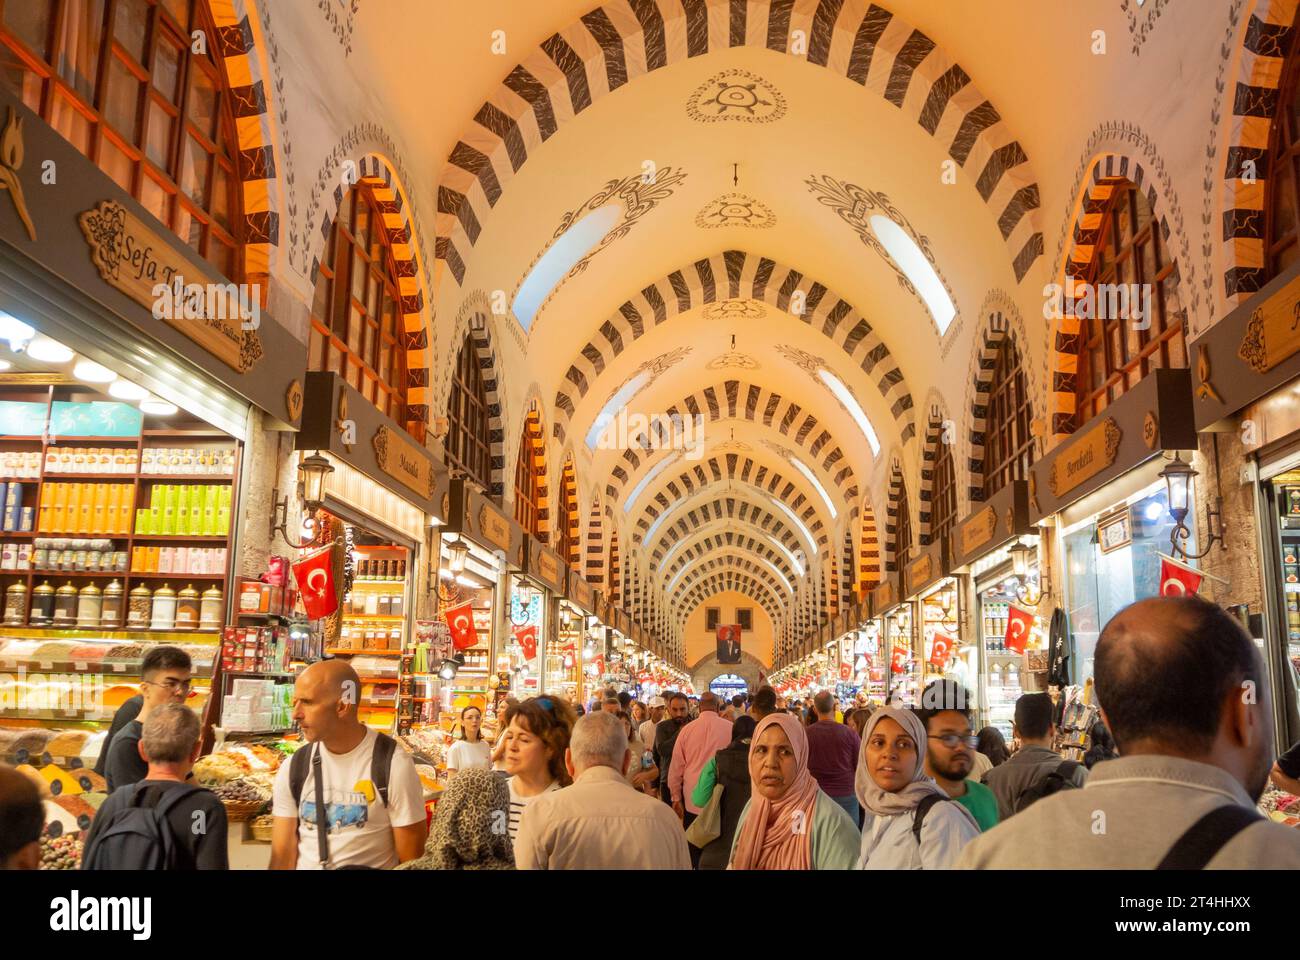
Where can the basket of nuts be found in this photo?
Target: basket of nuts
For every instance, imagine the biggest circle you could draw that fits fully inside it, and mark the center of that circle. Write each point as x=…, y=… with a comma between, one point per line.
x=242, y=799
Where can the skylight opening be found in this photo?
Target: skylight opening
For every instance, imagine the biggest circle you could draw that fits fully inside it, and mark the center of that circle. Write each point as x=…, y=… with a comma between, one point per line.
x=616, y=403
x=647, y=479
x=846, y=397
x=812, y=478
x=561, y=257
x=914, y=264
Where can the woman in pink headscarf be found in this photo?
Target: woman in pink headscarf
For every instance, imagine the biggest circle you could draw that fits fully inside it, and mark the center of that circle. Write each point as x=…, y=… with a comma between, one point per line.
x=789, y=824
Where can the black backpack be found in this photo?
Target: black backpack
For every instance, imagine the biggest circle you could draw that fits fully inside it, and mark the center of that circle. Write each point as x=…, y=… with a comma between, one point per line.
x=381, y=761
x=137, y=837
x=1060, y=777
x=922, y=808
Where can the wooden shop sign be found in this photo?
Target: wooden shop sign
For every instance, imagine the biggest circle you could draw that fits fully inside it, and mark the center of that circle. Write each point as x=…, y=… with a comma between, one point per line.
x=403, y=461
x=1272, y=333
x=978, y=530
x=886, y=596
x=1085, y=457
x=548, y=567
x=494, y=527
x=920, y=572
x=140, y=263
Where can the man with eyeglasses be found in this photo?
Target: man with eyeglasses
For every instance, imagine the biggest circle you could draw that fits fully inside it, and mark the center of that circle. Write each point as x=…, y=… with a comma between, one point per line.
x=950, y=749
x=164, y=678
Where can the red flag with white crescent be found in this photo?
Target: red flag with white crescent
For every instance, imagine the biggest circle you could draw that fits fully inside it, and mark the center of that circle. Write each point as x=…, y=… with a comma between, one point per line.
x=599, y=661
x=527, y=637
x=898, y=662
x=460, y=620
x=845, y=672
x=314, y=574
x=1177, y=580
x=1019, y=622
x=940, y=650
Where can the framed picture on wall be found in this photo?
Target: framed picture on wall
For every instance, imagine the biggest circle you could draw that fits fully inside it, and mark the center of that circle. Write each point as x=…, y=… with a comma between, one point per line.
x=1114, y=531
x=712, y=617
x=745, y=618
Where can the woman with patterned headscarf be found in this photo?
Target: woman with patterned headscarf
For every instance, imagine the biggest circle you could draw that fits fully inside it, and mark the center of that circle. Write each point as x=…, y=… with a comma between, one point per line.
x=910, y=824
x=789, y=823
x=469, y=826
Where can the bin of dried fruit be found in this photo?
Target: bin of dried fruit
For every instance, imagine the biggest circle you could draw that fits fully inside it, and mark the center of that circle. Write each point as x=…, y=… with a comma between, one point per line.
x=242, y=799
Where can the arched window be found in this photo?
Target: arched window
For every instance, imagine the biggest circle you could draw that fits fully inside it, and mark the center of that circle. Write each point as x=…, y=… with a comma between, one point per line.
x=356, y=311
x=468, y=448
x=529, y=472
x=1118, y=351
x=1282, y=207
x=943, y=494
x=129, y=92
x=1008, y=444
x=902, y=531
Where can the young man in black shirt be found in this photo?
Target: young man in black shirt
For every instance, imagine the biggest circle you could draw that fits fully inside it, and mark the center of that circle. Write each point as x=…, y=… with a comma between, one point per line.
x=197, y=821
x=165, y=678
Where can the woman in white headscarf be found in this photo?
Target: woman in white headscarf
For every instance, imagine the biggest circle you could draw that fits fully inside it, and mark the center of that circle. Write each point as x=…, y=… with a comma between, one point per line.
x=910, y=824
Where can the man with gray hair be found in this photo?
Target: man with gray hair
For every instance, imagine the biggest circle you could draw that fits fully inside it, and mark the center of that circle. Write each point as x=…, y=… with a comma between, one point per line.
x=600, y=822
x=163, y=821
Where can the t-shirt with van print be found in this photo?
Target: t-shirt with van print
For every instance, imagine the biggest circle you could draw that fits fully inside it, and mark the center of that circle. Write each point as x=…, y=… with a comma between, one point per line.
x=360, y=828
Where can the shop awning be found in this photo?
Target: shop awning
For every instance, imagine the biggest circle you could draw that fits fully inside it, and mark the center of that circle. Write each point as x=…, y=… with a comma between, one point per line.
x=1003, y=516
x=1155, y=415
x=340, y=420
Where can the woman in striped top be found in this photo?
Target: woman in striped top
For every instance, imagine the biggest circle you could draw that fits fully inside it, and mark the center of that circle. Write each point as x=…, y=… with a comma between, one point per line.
x=537, y=735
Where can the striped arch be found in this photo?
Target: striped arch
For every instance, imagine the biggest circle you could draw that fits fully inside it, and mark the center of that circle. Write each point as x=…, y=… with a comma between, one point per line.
x=624, y=39
x=237, y=47
x=1264, y=47
x=831, y=596
x=727, y=537
x=735, y=275
x=868, y=551
x=1108, y=172
x=532, y=446
x=375, y=172
x=596, y=544
x=567, y=520
x=733, y=508
x=732, y=561
x=735, y=580
x=674, y=492
x=897, y=493
x=474, y=326
x=614, y=594
x=736, y=400
x=929, y=457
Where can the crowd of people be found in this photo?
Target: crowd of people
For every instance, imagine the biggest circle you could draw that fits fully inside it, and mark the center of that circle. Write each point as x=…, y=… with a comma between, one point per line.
x=747, y=783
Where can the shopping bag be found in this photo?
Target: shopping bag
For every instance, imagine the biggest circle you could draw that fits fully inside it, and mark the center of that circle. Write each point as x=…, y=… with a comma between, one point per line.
x=707, y=827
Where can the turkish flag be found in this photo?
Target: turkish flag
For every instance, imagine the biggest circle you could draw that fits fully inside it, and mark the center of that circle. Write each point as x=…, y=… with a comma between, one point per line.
x=898, y=663
x=1177, y=580
x=460, y=620
x=527, y=637
x=941, y=649
x=599, y=661
x=1019, y=622
x=845, y=672
x=314, y=574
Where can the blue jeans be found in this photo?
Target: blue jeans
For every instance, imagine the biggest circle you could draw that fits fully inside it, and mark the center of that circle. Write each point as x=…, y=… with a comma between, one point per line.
x=850, y=806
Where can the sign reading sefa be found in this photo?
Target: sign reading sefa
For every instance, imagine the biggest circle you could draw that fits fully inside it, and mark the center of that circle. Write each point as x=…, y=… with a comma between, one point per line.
x=179, y=300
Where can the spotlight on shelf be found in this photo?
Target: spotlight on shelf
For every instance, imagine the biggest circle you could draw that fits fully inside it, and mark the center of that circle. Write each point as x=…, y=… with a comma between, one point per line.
x=450, y=666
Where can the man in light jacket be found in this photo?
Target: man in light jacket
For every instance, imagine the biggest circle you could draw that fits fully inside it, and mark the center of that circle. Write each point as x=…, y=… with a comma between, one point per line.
x=1185, y=695
x=600, y=822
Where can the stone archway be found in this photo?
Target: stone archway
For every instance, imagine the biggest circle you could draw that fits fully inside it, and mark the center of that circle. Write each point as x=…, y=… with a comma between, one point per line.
x=750, y=668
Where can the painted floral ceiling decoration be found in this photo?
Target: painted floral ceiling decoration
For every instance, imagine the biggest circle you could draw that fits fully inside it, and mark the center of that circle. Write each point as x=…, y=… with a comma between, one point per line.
x=737, y=95
x=735, y=210
x=733, y=360
x=735, y=310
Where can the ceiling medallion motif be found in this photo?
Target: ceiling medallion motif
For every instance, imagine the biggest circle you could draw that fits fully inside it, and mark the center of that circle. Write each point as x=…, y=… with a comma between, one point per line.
x=655, y=367
x=735, y=310
x=738, y=445
x=855, y=206
x=735, y=210
x=736, y=95
x=807, y=362
x=733, y=360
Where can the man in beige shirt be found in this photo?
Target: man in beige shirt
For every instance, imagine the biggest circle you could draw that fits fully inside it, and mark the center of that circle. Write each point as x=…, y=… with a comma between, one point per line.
x=1184, y=692
x=600, y=822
